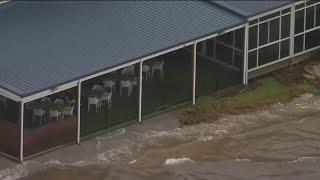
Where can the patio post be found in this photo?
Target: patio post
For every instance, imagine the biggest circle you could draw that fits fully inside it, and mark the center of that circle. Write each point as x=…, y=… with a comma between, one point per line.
x=79, y=113
x=21, y=130
x=194, y=59
x=140, y=91
x=245, y=54
x=292, y=25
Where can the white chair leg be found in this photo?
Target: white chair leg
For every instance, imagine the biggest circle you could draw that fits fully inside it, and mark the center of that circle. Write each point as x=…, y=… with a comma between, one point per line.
x=88, y=107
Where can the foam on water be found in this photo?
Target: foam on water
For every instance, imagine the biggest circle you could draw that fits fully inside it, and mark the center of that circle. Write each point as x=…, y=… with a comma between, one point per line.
x=173, y=161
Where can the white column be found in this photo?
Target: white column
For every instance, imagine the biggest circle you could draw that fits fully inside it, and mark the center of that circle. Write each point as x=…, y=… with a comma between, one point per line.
x=21, y=130
x=292, y=24
x=194, y=73
x=140, y=92
x=245, y=54
x=79, y=112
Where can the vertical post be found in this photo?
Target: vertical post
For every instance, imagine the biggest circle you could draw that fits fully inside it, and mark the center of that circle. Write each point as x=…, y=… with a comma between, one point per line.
x=21, y=130
x=245, y=54
x=79, y=112
x=140, y=91
x=194, y=73
x=292, y=24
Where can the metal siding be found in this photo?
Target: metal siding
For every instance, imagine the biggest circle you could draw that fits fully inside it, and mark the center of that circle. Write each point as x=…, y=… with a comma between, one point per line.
x=44, y=44
x=252, y=8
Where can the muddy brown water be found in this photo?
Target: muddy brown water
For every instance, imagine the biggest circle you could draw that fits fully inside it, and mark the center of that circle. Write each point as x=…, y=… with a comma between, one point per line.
x=278, y=142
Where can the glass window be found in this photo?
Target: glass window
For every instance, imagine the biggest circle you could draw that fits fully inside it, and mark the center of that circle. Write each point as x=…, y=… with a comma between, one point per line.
x=253, y=36
x=252, y=59
x=310, y=18
x=298, y=43
x=299, y=6
x=270, y=16
x=239, y=38
x=284, y=48
x=318, y=15
x=253, y=22
x=285, y=11
x=226, y=38
x=274, y=30
x=269, y=54
x=263, y=33
x=312, y=39
x=299, y=22
x=311, y=2
x=224, y=53
x=210, y=46
x=285, y=26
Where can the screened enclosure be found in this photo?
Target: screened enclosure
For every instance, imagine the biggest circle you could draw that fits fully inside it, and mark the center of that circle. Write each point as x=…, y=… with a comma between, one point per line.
x=167, y=81
x=219, y=62
x=109, y=100
x=9, y=127
x=49, y=122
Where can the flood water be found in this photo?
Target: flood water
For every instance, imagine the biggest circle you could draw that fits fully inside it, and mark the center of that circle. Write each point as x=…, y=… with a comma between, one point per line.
x=278, y=142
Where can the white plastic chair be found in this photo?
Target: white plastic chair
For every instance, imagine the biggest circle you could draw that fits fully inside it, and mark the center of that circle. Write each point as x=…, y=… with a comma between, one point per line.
x=46, y=100
x=126, y=84
x=68, y=111
x=158, y=66
x=38, y=113
x=109, y=84
x=107, y=98
x=146, y=70
x=128, y=70
x=54, y=114
x=97, y=87
x=58, y=101
x=93, y=101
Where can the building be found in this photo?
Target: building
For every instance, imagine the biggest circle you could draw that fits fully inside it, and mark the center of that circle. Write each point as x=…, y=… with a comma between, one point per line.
x=72, y=69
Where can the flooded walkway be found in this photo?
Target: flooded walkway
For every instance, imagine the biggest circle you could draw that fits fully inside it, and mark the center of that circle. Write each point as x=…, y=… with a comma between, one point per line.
x=278, y=142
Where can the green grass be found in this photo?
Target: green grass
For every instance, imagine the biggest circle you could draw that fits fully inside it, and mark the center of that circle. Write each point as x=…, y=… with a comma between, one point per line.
x=270, y=91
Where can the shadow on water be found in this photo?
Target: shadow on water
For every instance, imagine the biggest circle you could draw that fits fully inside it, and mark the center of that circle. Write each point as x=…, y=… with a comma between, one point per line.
x=280, y=142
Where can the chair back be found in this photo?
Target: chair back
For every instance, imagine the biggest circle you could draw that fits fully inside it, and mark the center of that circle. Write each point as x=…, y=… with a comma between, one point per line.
x=58, y=101
x=93, y=100
x=38, y=112
x=125, y=83
x=97, y=87
x=69, y=110
x=46, y=100
x=108, y=83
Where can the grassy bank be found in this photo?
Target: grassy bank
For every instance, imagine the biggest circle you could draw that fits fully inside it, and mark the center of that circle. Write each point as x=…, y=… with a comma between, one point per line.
x=268, y=91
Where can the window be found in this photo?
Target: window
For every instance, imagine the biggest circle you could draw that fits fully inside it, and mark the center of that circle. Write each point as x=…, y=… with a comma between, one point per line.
x=224, y=53
x=285, y=26
x=274, y=30
x=299, y=6
x=270, y=16
x=263, y=33
x=298, y=43
x=310, y=18
x=284, y=48
x=253, y=37
x=252, y=59
x=285, y=11
x=239, y=38
x=312, y=39
x=318, y=15
x=268, y=54
x=299, y=22
x=226, y=38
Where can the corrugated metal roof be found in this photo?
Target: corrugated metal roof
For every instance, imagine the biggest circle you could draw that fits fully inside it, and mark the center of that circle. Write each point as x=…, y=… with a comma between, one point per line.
x=44, y=44
x=252, y=8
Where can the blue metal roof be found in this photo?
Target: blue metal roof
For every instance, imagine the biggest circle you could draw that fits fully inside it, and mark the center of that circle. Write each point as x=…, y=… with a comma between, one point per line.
x=252, y=8
x=45, y=44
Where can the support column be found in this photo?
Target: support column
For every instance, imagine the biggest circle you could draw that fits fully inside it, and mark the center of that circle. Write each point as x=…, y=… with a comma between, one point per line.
x=140, y=91
x=245, y=54
x=21, y=130
x=79, y=112
x=194, y=73
x=292, y=24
